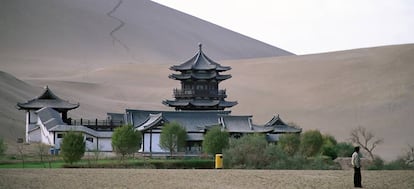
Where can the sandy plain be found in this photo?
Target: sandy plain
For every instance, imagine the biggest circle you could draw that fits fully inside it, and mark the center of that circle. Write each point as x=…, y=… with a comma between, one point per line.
x=229, y=179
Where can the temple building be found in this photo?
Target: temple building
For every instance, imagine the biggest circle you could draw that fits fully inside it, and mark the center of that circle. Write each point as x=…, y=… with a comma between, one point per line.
x=46, y=106
x=47, y=122
x=199, y=105
x=199, y=77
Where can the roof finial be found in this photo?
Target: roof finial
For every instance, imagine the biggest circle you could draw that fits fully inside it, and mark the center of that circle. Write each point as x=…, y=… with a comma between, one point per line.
x=200, y=46
x=46, y=87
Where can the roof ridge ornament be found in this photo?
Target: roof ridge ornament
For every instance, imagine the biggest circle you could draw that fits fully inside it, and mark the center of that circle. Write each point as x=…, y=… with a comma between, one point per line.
x=200, y=46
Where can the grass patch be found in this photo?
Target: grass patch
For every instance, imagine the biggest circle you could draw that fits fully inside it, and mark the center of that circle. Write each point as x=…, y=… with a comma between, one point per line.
x=149, y=163
x=56, y=164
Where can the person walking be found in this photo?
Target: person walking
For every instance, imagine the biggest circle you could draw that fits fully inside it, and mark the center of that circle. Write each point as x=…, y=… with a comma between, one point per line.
x=356, y=163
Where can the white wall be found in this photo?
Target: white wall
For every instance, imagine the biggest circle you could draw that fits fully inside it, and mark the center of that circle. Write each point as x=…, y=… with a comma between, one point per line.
x=105, y=144
x=155, y=142
x=90, y=146
x=35, y=136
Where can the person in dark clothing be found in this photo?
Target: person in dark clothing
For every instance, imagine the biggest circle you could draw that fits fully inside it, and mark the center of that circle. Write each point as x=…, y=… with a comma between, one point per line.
x=356, y=163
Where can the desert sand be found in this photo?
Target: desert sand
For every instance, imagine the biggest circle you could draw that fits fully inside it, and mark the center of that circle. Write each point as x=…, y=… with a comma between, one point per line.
x=77, y=58
x=153, y=178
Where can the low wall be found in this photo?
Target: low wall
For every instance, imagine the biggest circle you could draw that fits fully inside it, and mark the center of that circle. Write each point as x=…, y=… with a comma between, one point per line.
x=345, y=163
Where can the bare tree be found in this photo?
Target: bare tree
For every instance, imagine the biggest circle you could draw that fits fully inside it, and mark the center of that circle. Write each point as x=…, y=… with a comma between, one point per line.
x=20, y=150
x=365, y=139
x=42, y=151
x=409, y=158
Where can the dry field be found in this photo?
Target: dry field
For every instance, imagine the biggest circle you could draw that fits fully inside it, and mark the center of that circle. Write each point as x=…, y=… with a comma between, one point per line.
x=153, y=178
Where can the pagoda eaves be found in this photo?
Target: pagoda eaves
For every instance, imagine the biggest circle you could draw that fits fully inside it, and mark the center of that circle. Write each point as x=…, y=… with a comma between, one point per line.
x=47, y=99
x=200, y=77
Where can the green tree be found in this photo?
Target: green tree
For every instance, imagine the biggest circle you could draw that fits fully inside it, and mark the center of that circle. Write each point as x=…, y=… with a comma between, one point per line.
x=249, y=151
x=3, y=147
x=329, y=146
x=173, y=137
x=289, y=143
x=215, y=141
x=344, y=149
x=126, y=140
x=311, y=142
x=73, y=147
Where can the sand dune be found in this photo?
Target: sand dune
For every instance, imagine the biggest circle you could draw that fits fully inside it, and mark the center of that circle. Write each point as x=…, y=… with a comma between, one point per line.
x=12, y=120
x=88, y=34
x=68, y=45
x=332, y=92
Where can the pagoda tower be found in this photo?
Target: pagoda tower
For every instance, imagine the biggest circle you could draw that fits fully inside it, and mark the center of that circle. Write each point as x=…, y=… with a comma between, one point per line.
x=200, y=77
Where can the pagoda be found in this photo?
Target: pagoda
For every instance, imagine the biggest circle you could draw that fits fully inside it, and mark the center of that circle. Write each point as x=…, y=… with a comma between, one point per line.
x=200, y=77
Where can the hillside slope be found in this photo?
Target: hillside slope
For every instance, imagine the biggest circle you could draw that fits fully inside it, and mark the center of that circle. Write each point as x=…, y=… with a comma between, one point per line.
x=78, y=36
x=332, y=92
x=13, y=90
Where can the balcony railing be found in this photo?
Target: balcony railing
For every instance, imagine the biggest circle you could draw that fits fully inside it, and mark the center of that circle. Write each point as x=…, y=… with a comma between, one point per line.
x=179, y=93
x=98, y=125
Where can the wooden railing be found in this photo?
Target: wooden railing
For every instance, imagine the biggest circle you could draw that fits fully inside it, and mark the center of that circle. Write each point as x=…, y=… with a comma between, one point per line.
x=179, y=93
x=99, y=125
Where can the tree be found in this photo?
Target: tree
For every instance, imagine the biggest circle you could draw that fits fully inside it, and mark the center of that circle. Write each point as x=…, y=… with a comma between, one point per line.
x=173, y=137
x=344, y=149
x=289, y=143
x=126, y=140
x=311, y=142
x=365, y=139
x=73, y=147
x=249, y=151
x=329, y=146
x=3, y=147
x=215, y=141
x=42, y=151
x=409, y=157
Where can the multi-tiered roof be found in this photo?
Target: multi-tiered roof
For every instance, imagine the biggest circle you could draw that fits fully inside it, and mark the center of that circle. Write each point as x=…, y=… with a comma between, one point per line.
x=200, y=77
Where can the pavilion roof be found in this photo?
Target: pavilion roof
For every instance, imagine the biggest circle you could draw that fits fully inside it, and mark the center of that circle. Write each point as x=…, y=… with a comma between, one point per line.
x=200, y=62
x=47, y=99
x=242, y=124
x=192, y=121
x=198, y=121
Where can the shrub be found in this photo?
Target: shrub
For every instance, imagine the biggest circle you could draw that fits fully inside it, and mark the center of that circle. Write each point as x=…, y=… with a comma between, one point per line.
x=328, y=147
x=377, y=164
x=246, y=152
x=3, y=147
x=289, y=143
x=330, y=151
x=344, y=149
x=126, y=140
x=215, y=141
x=73, y=147
x=277, y=157
x=173, y=137
x=311, y=143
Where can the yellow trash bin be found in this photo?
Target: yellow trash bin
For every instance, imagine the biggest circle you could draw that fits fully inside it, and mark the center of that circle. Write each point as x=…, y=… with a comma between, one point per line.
x=219, y=161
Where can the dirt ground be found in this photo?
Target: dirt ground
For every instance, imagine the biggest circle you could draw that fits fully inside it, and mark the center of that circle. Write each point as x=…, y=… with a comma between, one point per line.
x=237, y=179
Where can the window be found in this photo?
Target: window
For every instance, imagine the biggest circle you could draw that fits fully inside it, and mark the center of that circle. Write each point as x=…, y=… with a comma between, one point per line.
x=60, y=135
x=90, y=139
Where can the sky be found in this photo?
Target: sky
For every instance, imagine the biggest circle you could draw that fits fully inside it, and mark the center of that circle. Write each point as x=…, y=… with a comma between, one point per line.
x=310, y=26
